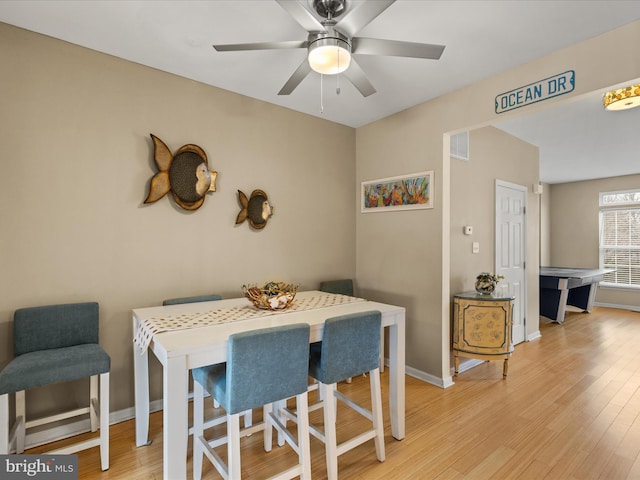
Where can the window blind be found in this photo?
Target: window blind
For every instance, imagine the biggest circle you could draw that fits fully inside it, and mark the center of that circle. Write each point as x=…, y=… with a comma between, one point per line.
x=620, y=245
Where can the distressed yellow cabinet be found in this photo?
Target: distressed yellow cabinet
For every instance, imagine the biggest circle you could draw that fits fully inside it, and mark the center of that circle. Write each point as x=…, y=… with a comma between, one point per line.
x=482, y=328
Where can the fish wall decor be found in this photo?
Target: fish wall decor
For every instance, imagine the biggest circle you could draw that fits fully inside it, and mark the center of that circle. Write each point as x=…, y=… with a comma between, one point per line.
x=185, y=174
x=256, y=209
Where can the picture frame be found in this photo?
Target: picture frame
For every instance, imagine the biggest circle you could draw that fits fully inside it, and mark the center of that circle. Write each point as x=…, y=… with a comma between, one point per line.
x=405, y=192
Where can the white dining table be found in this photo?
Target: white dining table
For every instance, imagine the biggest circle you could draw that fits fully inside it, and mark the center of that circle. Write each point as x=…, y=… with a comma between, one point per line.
x=181, y=350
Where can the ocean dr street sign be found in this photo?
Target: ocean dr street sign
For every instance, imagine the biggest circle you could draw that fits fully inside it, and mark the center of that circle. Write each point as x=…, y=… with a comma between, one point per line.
x=536, y=92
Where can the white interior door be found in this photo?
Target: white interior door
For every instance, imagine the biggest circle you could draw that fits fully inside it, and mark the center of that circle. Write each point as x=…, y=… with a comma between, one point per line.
x=510, y=222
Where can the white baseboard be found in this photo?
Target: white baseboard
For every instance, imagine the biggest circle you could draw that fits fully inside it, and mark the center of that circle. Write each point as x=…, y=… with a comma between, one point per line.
x=467, y=364
x=534, y=336
x=633, y=308
x=426, y=377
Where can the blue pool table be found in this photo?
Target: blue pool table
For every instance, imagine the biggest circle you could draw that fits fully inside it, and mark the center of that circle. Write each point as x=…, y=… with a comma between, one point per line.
x=561, y=286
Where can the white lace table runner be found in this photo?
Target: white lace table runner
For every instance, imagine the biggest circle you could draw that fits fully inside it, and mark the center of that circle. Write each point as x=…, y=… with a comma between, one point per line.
x=153, y=325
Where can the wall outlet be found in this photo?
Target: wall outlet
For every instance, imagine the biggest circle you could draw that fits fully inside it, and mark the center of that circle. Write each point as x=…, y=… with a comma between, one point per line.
x=475, y=247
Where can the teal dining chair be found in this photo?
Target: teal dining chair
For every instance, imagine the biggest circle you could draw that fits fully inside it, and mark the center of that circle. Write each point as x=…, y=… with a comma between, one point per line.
x=263, y=366
x=350, y=346
x=195, y=299
x=344, y=286
x=51, y=344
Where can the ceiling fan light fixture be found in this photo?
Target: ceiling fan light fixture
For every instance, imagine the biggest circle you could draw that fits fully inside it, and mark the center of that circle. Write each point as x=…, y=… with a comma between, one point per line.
x=622, y=98
x=329, y=55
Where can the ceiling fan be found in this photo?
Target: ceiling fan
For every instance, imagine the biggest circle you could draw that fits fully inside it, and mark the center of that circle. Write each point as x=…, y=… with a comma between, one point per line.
x=332, y=42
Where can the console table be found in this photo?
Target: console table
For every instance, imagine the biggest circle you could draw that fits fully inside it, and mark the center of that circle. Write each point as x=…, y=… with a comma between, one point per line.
x=482, y=328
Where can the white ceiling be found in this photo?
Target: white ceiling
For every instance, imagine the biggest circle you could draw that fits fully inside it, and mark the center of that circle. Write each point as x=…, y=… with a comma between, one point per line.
x=580, y=140
x=482, y=38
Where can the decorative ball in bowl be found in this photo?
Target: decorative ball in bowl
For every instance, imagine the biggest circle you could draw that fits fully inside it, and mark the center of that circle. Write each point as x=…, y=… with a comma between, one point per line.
x=271, y=296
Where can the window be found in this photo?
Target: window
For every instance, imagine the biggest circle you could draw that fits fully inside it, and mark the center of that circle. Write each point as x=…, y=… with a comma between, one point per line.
x=620, y=237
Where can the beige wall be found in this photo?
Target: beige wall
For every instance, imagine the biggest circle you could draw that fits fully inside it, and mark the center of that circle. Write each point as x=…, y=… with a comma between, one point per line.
x=575, y=228
x=404, y=256
x=397, y=253
x=76, y=162
x=545, y=225
x=495, y=155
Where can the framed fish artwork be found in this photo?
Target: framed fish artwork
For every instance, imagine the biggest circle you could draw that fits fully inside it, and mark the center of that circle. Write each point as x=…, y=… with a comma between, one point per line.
x=405, y=192
x=185, y=174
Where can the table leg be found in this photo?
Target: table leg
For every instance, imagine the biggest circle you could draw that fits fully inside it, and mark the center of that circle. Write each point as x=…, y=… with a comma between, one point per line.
x=563, y=286
x=396, y=377
x=175, y=418
x=141, y=392
x=592, y=296
x=382, y=350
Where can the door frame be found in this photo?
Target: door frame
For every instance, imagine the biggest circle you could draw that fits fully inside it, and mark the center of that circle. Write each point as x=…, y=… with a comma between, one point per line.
x=523, y=189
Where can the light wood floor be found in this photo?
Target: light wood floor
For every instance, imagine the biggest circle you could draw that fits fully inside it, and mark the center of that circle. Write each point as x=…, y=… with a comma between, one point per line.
x=568, y=410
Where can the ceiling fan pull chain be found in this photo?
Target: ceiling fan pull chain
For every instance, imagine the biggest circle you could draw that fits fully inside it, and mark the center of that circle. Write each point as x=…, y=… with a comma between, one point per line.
x=338, y=77
x=321, y=98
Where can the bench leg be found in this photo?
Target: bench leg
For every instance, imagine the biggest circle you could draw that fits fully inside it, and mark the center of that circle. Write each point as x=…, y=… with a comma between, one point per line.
x=4, y=424
x=21, y=421
x=104, y=421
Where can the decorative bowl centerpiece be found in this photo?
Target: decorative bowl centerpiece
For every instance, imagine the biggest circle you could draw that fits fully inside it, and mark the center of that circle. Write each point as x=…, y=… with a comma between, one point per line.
x=271, y=296
x=486, y=283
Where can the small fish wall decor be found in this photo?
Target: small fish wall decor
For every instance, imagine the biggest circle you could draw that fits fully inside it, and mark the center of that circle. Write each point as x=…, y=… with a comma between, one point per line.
x=185, y=174
x=256, y=209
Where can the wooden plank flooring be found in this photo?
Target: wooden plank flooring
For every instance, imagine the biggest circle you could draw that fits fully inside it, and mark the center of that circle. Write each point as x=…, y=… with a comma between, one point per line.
x=569, y=410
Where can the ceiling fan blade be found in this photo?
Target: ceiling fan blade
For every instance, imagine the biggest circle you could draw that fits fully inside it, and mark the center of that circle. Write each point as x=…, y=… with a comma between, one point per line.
x=261, y=46
x=395, y=48
x=356, y=75
x=301, y=15
x=294, y=80
x=358, y=18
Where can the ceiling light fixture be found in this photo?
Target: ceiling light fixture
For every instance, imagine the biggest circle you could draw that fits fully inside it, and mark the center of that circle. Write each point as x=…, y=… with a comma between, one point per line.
x=622, y=98
x=329, y=53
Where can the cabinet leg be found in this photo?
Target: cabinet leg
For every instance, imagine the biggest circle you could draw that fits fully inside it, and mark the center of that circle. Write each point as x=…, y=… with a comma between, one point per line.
x=505, y=368
x=456, y=365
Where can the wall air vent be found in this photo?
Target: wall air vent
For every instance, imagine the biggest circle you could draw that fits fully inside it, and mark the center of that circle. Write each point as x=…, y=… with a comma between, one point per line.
x=460, y=146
